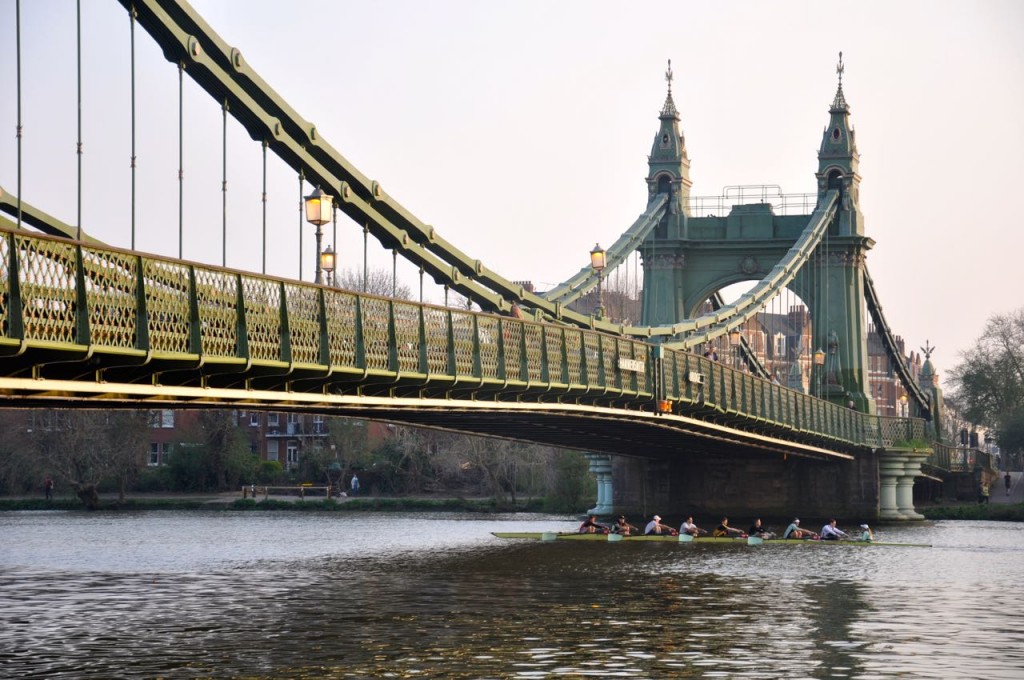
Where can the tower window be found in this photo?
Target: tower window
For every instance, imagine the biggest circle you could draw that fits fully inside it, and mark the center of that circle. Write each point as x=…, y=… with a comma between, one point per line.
x=835, y=134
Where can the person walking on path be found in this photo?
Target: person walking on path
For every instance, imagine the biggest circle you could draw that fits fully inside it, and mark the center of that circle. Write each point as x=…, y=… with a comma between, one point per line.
x=983, y=498
x=355, y=485
x=1008, y=480
x=48, y=488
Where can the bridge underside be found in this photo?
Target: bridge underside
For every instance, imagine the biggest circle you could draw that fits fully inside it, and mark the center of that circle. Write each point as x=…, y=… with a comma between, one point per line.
x=641, y=434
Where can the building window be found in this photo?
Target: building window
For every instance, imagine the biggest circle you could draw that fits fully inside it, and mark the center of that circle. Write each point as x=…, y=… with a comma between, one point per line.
x=156, y=454
x=318, y=425
x=272, y=449
x=293, y=454
x=273, y=419
x=254, y=419
x=161, y=419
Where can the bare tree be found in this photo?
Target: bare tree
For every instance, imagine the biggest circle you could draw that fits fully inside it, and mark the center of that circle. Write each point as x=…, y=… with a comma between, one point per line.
x=85, y=448
x=378, y=282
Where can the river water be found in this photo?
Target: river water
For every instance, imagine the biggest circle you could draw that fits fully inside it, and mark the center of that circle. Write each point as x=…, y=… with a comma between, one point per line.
x=297, y=595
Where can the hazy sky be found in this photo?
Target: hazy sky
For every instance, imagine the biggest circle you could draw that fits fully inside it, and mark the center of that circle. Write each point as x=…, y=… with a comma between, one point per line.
x=520, y=130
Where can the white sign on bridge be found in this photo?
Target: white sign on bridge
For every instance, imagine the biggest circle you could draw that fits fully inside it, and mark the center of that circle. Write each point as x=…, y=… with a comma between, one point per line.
x=634, y=365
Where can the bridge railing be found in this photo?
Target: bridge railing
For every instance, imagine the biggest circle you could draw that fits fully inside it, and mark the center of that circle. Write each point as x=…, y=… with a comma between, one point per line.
x=191, y=324
x=782, y=204
x=61, y=296
x=715, y=387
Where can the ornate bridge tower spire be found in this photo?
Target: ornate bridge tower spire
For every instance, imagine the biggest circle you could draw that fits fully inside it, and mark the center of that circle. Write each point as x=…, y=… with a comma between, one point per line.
x=668, y=163
x=839, y=162
x=839, y=313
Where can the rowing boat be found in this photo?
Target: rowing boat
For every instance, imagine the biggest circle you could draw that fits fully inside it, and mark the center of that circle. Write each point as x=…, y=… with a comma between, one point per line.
x=685, y=538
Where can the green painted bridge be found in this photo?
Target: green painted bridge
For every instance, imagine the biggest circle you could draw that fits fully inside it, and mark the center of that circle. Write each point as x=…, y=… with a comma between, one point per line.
x=84, y=324
x=98, y=324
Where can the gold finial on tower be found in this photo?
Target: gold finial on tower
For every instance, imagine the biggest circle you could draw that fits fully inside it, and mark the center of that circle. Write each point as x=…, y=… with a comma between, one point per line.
x=928, y=349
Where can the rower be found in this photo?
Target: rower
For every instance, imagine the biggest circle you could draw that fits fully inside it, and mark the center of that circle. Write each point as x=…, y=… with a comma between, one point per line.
x=794, y=530
x=830, y=532
x=590, y=526
x=757, y=529
x=723, y=529
x=656, y=528
x=688, y=527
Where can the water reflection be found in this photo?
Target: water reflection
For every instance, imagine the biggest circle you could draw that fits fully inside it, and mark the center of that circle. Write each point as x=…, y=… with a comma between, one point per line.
x=285, y=596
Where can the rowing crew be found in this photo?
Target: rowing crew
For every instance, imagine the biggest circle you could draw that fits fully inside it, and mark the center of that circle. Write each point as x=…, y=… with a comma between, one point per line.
x=829, y=532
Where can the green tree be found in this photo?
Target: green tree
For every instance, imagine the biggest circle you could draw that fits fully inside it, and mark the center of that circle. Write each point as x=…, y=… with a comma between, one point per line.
x=989, y=382
x=572, y=485
x=216, y=456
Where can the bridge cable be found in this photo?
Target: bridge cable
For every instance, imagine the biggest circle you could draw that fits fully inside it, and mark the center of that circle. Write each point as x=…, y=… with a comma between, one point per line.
x=896, y=357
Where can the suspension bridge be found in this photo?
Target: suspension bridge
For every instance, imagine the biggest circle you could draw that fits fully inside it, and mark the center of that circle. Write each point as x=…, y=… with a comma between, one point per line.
x=787, y=421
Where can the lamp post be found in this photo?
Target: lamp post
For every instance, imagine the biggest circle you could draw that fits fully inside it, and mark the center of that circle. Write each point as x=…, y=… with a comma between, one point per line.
x=318, y=212
x=598, y=262
x=327, y=264
x=903, y=406
x=819, y=363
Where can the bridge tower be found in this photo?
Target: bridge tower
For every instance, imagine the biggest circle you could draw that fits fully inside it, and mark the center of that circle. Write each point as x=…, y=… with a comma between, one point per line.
x=838, y=310
x=687, y=257
x=669, y=173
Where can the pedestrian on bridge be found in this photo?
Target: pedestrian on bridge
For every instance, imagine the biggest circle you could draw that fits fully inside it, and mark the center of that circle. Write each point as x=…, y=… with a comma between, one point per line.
x=1008, y=480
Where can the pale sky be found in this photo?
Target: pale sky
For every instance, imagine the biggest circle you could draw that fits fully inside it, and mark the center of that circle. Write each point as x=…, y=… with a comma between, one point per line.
x=520, y=130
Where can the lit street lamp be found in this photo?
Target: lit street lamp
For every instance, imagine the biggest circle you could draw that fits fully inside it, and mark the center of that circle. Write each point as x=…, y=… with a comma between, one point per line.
x=598, y=262
x=318, y=212
x=819, y=362
x=327, y=264
x=903, y=406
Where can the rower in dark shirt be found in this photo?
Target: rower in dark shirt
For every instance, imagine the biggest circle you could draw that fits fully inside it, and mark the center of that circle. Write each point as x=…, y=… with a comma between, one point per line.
x=590, y=526
x=757, y=529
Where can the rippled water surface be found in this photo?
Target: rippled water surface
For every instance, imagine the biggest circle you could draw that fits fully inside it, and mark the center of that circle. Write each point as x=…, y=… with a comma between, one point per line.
x=295, y=595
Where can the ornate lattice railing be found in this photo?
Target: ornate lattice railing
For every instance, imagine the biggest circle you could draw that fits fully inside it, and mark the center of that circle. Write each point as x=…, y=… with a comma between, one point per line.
x=216, y=327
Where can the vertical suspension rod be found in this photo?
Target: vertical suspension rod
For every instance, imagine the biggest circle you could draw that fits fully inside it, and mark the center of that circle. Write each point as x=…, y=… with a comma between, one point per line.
x=78, y=42
x=17, y=42
x=264, y=199
x=302, y=178
x=366, y=237
x=131, y=19
x=181, y=160
x=224, y=187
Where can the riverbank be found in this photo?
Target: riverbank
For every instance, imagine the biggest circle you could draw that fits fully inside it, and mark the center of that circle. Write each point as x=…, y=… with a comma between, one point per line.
x=231, y=502
x=1000, y=512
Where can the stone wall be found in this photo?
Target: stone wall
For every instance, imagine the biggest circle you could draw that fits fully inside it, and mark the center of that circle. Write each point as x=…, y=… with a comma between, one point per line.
x=768, y=486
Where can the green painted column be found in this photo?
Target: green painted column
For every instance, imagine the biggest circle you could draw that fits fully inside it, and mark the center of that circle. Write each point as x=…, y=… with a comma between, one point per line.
x=601, y=467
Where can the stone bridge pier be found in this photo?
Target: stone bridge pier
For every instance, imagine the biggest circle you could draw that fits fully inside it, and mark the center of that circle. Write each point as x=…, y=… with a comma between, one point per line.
x=875, y=485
